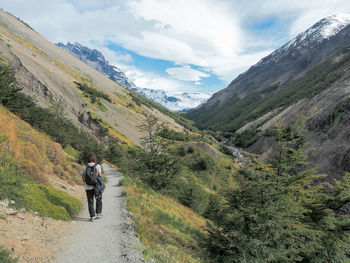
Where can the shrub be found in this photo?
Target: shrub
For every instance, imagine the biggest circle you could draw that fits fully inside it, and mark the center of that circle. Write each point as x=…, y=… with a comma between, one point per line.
x=32, y=171
x=5, y=256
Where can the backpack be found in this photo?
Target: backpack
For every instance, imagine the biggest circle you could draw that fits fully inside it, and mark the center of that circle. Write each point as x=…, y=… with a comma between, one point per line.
x=91, y=174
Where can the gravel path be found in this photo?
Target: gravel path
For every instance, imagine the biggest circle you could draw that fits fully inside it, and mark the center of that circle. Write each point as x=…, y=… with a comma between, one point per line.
x=109, y=239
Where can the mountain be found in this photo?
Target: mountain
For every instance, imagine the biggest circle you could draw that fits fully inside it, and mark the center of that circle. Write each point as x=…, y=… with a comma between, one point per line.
x=52, y=76
x=173, y=101
x=96, y=60
x=309, y=78
x=273, y=73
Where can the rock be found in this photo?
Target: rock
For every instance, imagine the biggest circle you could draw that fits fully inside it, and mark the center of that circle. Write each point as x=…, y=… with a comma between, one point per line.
x=11, y=212
x=3, y=216
x=21, y=216
x=12, y=202
x=36, y=213
x=4, y=203
x=65, y=186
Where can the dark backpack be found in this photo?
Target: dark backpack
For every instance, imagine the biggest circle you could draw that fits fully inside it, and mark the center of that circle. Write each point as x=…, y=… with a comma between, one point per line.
x=91, y=174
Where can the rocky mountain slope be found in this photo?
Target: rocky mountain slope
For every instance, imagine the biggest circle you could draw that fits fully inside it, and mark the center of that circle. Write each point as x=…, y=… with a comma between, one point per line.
x=175, y=101
x=274, y=72
x=52, y=76
x=307, y=78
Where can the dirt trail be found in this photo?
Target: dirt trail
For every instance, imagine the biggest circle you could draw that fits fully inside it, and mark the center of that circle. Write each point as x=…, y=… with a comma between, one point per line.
x=109, y=239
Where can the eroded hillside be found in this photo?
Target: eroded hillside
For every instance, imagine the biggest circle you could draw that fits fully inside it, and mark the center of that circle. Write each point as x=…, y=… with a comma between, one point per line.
x=51, y=75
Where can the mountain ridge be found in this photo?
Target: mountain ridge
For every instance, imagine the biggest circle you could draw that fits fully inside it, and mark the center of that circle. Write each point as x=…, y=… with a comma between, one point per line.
x=308, y=78
x=50, y=75
x=276, y=70
x=175, y=101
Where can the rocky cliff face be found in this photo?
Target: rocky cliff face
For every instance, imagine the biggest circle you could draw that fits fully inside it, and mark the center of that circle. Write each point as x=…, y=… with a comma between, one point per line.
x=50, y=75
x=176, y=101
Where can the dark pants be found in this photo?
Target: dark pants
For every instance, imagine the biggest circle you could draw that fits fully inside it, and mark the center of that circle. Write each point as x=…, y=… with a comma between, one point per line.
x=90, y=197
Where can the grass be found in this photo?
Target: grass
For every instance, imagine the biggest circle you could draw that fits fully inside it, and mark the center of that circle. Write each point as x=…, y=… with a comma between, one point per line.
x=26, y=193
x=27, y=159
x=48, y=201
x=72, y=153
x=338, y=115
x=36, y=155
x=169, y=231
x=25, y=42
x=5, y=256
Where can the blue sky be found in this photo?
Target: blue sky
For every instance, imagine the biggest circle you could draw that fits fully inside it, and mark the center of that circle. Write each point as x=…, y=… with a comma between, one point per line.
x=176, y=45
x=211, y=83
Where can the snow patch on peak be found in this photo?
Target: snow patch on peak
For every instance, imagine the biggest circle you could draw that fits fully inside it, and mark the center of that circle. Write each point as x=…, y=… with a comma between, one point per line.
x=322, y=30
x=334, y=24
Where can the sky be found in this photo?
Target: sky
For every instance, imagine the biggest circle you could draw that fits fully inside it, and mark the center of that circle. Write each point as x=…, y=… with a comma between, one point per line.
x=176, y=45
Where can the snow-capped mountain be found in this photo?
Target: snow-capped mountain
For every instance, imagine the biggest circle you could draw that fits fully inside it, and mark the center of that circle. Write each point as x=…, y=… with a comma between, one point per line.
x=176, y=101
x=173, y=101
x=290, y=61
x=308, y=77
x=322, y=30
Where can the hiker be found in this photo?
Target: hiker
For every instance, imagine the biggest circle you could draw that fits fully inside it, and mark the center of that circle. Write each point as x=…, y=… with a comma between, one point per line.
x=94, y=185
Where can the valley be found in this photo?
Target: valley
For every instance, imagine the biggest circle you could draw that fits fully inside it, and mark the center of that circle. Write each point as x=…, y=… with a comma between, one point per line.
x=258, y=173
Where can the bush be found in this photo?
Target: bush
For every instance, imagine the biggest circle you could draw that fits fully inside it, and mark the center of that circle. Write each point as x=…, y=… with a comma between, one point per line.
x=5, y=256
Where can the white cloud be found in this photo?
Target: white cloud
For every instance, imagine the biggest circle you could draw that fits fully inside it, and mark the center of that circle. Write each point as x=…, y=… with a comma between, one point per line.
x=210, y=34
x=186, y=73
x=155, y=81
x=314, y=10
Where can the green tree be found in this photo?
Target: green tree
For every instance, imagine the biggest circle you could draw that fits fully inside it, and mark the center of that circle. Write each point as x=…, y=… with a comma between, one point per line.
x=278, y=214
x=151, y=141
x=155, y=164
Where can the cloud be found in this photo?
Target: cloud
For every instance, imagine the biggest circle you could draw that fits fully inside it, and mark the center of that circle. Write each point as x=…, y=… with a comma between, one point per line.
x=210, y=34
x=313, y=11
x=186, y=73
x=151, y=80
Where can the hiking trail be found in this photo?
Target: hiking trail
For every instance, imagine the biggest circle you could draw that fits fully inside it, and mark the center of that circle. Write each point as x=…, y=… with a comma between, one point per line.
x=109, y=239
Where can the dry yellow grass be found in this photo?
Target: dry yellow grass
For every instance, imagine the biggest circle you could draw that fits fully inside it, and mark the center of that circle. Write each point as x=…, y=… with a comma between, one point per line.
x=39, y=157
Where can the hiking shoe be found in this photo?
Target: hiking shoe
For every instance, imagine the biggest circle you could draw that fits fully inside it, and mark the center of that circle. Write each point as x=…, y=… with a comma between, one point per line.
x=92, y=219
x=98, y=216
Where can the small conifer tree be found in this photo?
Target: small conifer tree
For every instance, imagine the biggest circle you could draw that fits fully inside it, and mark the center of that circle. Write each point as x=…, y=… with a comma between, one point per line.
x=278, y=214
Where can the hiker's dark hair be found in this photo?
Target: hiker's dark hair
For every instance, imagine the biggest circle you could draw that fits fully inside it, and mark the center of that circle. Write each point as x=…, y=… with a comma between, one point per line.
x=92, y=158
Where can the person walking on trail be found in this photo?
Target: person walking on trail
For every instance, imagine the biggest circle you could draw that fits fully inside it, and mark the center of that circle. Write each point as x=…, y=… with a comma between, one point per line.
x=94, y=185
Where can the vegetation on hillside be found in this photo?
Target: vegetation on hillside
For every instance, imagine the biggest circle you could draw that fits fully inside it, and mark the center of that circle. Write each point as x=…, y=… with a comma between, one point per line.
x=33, y=196
x=168, y=231
x=49, y=121
x=28, y=162
x=277, y=213
x=187, y=172
x=182, y=191
x=236, y=112
x=255, y=212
